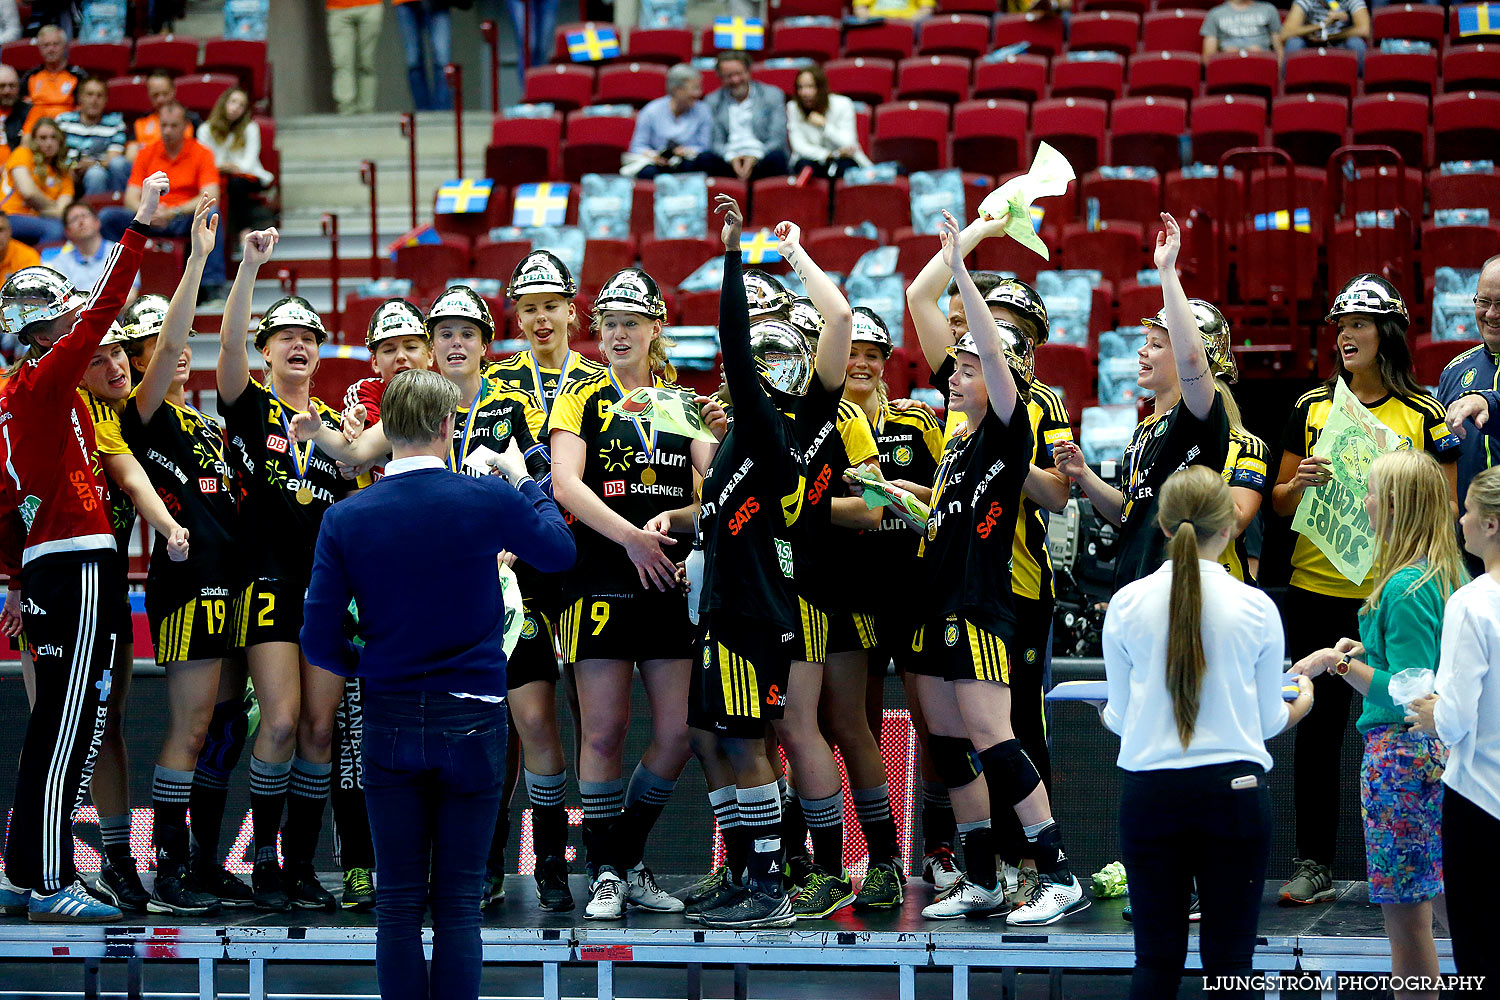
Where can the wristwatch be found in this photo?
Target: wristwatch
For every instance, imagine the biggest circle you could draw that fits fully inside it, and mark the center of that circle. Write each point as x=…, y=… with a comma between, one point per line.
x=1342, y=667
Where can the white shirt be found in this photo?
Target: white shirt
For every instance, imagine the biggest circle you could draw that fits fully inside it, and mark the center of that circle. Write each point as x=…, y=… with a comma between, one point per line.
x=819, y=143
x=1239, y=704
x=1468, y=706
x=242, y=159
x=742, y=140
x=83, y=272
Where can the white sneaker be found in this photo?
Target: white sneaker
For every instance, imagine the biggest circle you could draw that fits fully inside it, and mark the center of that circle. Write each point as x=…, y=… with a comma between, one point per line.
x=608, y=897
x=1030, y=885
x=941, y=869
x=642, y=890
x=1051, y=902
x=965, y=899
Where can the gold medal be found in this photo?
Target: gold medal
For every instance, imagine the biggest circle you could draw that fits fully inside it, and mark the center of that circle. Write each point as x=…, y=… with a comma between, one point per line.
x=648, y=475
x=932, y=531
x=304, y=495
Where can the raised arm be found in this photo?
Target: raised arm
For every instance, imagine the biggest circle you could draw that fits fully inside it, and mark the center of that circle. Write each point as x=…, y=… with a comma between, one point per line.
x=1193, y=374
x=998, y=380
x=178, y=322
x=234, y=363
x=750, y=401
x=838, y=318
x=926, y=290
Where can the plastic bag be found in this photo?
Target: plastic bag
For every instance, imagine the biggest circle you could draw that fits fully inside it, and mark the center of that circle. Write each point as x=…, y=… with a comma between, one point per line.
x=1412, y=684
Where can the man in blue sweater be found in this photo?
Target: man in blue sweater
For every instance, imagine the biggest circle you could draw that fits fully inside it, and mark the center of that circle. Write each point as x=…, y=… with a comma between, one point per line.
x=434, y=714
x=1470, y=388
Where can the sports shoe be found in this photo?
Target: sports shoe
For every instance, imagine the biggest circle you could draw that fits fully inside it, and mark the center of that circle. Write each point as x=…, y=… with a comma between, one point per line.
x=967, y=899
x=705, y=887
x=881, y=889
x=73, y=905
x=940, y=868
x=359, y=890
x=1029, y=883
x=1195, y=912
x=175, y=892
x=494, y=889
x=753, y=908
x=799, y=869
x=305, y=890
x=120, y=884
x=608, y=896
x=728, y=892
x=641, y=890
x=232, y=891
x=269, y=894
x=14, y=900
x=823, y=894
x=1052, y=901
x=552, y=892
x=1313, y=883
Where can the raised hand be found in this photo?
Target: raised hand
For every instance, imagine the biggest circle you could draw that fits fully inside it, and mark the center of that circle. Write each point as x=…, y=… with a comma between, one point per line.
x=258, y=246
x=789, y=239
x=714, y=416
x=734, y=221
x=948, y=234
x=1168, y=242
x=305, y=425
x=354, y=421
x=1068, y=457
x=152, y=189
x=205, y=228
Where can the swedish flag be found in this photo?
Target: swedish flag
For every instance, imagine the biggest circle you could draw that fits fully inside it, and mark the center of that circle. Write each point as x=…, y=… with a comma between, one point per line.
x=739, y=33
x=1036, y=217
x=594, y=43
x=1475, y=20
x=541, y=204
x=1299, y=219
x=759, y=248
x=463, y=196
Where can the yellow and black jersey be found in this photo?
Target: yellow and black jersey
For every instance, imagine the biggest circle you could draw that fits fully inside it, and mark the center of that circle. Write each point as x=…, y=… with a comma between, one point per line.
x=496, y=416
x=541, y=385
x=285, y=486
x=635, y=469
x=1420, y=419
x=911, y=445
x=1247, y=465
x=108, y=440
x=1031, y=564
x=182, y=451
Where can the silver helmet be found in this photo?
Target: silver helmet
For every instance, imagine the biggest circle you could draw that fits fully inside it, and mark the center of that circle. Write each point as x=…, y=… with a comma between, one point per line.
x=1214, y=329
x=632, y=290
x=871, y=329
x=1370, y=294
x=767, y=297
x=462, y=302
x=805, y=318
x=782, y=356
x=144, y=317
x=541, y=271
x=1023, y=300
x=116, y=335
x=1020, y=352
x=291, y=311
x=395, y=318
x=35, y=295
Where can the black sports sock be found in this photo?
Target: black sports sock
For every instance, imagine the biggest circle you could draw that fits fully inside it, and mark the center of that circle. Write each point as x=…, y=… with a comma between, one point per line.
x=979, y=854
x=114, y=831
x=549, y=815
x=760, y=812
x=645, y=799
x=939, y=828
x=825, y=821
x=268, y=784
x=873, y=807
x=793, y=825
x=222, y=746
x=169, y=804
x=306, y=795
x=602, y=802
x=351, y=826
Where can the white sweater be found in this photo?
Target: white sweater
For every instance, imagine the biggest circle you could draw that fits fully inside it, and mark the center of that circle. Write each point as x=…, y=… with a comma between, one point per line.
x=1468, y=706
x=243, y=160
x=811, y=142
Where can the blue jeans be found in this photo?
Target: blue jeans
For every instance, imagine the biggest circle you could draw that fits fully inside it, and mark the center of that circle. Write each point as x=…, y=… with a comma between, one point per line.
x=543, y=25
x=114, y=219
x=433, y=767
x=419, y=24
x=1355, y=45
x=36, y=229
x=102, y=179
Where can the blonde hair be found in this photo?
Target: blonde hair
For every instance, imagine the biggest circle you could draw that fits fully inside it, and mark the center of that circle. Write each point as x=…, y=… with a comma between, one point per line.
x=656, y=355
x=1484, y=492
x=1195, y=505
x=1232, y=412
x=1413, y=523
x=58, y=163
x=219, y=125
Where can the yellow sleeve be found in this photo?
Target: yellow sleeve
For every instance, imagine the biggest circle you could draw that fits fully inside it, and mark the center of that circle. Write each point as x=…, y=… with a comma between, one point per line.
x=567, y=411
x=859, y=438
x=108, y=439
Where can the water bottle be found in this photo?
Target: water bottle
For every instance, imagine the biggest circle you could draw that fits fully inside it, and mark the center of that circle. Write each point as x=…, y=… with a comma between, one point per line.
x=695, y=574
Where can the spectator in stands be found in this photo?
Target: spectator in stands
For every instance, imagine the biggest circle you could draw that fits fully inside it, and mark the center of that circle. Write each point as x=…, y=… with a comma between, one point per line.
x=82, y=259
x=52, y=86
x=1237, y=25
x=10, y=21
x=543, y=17
x=820, y=127
x=353, y=37
x=14, y=254
x=672, y=132
x=1334, y=24
x=161, y=90
x=193, y=173
x=422, y=21
x=232, y=135
x=38, y=185
x=1468, y=386
x=13, y=108
x=749, y=130
x=905, y=10
x=96, y=139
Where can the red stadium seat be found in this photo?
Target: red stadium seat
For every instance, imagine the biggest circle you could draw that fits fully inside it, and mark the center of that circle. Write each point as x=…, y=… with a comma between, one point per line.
x=887, y=206
x=1430, y=357
x=986, y=7
x=913, y=249
x=1396, y=120
x=1114, y=249
x=887, y=38
x=966, y=35
x=808, y=41
x=1224, y=121
x=1242, y=72
x=1266, y=191
x=1416, y=21
x=428, y=266
x=1135, y=199
x=698, y=308
x=1074, y=126
x=127, y=95
x=356, y=315
x=243, y=57
x=1403, y=72
x=1271, y=268
x=1309, y=126
x=1182, y=196
x=22, y=54
x=1136, y=7
x=1042, y=33
x=524, y=149
x=977, y=187
x=595, y=144
x=199, y=91
x=912, y=133
x=734, y=187
x=1164, y=74
x=783, y=78
x=1070, y=369
x=566, y=87
x=1465, y=191
x=868, y=80
x=499, y=257
x=835, y=249
x=809, y=8
x=1105, y=29
x=602, y=259
x=933, y=78
x=667, y=46
x=777, y=199
x=1146, y=132
x=631, y=83
x=670, y=261
x=1471, y=67
x=1321, y=71
x=1174, y=30
x=1465, y=126
x=1354, y=249
x=177, y=54
x=1015, y=78
x=104, y=59
x=1138, y=302
x=989, y=136
x=1459, y=246
x=1088, y=78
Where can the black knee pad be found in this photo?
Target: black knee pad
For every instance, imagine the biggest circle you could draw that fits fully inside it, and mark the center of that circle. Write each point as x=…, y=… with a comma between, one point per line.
x=225, y=739
x=1008, y=763
x=954, y=759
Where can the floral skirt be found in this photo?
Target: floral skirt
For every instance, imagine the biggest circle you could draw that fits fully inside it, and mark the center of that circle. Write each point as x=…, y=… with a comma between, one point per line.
x=1401, y=799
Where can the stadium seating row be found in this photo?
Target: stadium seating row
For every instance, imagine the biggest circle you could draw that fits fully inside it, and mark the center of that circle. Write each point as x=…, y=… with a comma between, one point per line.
x=242, y=59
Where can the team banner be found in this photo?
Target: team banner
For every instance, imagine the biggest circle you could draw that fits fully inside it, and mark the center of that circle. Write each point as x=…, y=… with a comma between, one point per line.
x=668, y=410
x=1334, y=515
x=1048, y=177
x=879, y=493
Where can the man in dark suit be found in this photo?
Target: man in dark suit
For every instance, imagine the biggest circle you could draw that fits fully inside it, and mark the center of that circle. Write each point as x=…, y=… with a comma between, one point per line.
x=434, y=713
x=749, y=131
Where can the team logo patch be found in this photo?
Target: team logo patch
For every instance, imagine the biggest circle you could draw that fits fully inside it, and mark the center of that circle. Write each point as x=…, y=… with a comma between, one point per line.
x=708, y=657
x=1031, y=656
x=902, y=455
x=502, y=430
x=1468, y=379
x=207, y=484
x=616, y=457
x=528, y=628
x=1161, y=429
x=950, y=634
x=275, y=442
x=614, y=488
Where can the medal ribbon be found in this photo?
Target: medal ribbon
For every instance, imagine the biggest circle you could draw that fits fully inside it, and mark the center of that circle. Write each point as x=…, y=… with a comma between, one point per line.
x=647, y=441
x=463, y=444
x=299, y=459
x=536, y=378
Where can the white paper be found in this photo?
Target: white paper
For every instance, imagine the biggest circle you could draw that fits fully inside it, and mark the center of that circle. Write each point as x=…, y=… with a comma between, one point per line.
x=1049, y=176
x=482, y=460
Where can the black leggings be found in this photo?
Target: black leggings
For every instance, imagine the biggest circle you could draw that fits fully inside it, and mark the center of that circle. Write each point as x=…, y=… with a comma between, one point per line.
x=1469, y=838
x=1181, y=824
x=1315, y=621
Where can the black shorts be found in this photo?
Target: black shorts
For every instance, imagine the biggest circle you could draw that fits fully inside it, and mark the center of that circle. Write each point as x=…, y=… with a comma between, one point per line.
x=119, y=618
x=200, y=628
x=810, y=643
x=534, y=658
x=1031, y=645
x=893, y=635
x=650, y=625
x=740, y=676
x=268, y=610
x=851, y=632
x=955, y=649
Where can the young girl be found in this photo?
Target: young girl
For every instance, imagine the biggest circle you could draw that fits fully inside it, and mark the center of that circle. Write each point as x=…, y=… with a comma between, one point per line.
x=232, y=135
x=1374, y=361
x=1193, y=661
x=38, y=185
x=1417, y=567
